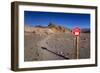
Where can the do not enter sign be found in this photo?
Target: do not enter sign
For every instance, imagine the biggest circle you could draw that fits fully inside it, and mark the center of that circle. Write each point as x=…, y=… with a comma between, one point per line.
x=76, y=31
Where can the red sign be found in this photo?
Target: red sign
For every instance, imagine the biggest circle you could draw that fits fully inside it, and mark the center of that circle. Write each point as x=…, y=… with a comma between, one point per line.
x=76, y=31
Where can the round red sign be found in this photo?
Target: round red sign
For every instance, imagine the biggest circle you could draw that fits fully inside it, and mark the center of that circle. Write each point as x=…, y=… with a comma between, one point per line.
x=76, y=31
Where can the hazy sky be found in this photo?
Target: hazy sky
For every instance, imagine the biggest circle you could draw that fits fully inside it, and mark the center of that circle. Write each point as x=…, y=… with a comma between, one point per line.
x=69, y=20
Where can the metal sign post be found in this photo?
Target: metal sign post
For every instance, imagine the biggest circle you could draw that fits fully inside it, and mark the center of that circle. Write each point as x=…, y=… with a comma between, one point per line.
x=76, y=32
x=77, y=46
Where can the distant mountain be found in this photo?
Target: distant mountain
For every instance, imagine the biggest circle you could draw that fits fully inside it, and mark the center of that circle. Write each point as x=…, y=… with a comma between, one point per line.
x=58, y=28
x=50, y=28
x=85, y=30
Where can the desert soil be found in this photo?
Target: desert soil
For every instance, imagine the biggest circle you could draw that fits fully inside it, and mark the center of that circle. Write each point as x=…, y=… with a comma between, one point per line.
x=60, y=43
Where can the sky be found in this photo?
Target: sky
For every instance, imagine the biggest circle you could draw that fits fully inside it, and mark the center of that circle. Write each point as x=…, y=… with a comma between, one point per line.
x=69, y=20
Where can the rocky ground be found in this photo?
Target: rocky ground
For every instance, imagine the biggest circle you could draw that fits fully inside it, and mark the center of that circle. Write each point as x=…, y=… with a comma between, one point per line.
x=61, y=45
x=84, y=45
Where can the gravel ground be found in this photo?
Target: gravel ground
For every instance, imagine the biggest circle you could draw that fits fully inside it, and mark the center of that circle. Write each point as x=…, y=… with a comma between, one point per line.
x=60, y=43
x=84, y=45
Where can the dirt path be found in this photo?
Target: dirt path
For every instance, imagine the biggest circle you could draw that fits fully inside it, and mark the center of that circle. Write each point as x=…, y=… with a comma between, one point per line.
x=60, y=43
